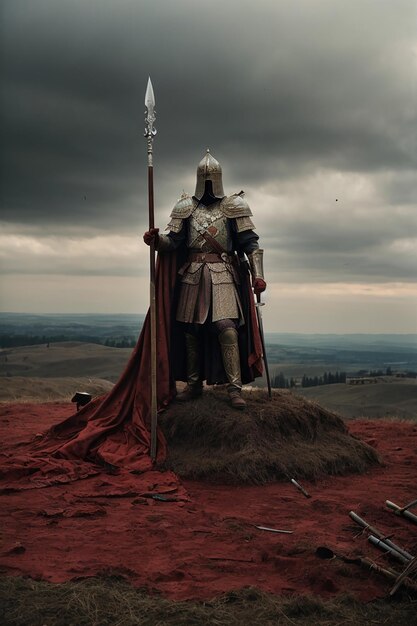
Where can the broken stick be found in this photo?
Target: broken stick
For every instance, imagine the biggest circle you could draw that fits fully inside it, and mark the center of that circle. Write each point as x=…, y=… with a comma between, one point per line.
x=403, y=512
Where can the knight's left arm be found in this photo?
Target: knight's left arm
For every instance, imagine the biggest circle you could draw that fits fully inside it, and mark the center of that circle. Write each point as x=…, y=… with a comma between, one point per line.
x=246, y=240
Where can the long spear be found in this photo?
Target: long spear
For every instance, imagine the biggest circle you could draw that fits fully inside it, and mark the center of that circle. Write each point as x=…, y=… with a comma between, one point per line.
x=150, y=133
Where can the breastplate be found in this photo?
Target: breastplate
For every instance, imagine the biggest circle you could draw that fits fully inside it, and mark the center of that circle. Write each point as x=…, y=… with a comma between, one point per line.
x=210, y=219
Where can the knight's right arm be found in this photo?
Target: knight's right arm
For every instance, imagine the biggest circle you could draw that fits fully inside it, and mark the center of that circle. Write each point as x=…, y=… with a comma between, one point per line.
x=171, y=241
x=177, y=226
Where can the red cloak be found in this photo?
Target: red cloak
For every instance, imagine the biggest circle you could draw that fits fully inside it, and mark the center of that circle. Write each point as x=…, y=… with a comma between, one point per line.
x=114, y=430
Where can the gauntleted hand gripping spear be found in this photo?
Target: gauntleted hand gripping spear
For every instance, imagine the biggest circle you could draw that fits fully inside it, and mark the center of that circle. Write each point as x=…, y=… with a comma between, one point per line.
x=150, y=133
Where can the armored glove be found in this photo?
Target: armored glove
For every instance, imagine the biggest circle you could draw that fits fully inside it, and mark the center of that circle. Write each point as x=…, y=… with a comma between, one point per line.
x=259, y=285
x=151, y=236
x=257, y=270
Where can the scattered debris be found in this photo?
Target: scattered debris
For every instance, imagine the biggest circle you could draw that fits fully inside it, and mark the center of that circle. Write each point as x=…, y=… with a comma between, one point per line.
x=326, y=553
x=408, y=506
x=379, y=543
x=81, y=398
x=160, y=497
x=142, y=499
x=402, y=578
x=300, y=488
x=383, y=542
x=390, y=545
x=275, y=530
x=403, y=511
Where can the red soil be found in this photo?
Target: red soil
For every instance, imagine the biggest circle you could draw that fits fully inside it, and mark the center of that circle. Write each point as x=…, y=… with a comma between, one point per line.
x=206, y=544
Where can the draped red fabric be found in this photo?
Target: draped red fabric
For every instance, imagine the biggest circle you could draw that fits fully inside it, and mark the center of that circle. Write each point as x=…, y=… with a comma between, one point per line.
x=115, y=429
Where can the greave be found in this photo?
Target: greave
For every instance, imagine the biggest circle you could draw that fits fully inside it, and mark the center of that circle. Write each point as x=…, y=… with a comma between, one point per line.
x=229, y=346
x=193, y=361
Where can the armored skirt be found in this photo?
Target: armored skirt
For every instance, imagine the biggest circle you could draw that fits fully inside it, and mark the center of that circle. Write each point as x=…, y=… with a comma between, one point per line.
x=208, y=290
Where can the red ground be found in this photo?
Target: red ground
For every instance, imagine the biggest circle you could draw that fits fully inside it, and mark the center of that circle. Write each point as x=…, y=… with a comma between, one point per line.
x=200, y=547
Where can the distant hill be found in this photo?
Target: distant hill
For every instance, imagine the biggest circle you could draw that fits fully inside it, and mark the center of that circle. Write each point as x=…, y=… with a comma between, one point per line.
x=349, y=341
x=78, y=322
x=64, y=366
x=25, y=389
x=62, y=359
x=396, y=398
x=21, y=329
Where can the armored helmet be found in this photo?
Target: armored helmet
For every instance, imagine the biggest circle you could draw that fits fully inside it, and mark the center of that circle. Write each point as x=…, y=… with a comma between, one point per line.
x=209, y=169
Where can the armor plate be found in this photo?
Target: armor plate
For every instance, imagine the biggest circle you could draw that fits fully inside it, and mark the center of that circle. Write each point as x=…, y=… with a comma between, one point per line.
x=256, y=262
x=210, y=219
x=236, y=206
x=233, y=207
x=182, y=209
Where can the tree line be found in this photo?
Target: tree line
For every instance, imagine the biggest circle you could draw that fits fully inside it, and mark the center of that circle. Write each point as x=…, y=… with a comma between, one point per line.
x=329, y=378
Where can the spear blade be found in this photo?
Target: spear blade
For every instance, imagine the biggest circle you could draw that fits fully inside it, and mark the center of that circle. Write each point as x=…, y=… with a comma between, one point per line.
x=150, y=118
x=149, y=96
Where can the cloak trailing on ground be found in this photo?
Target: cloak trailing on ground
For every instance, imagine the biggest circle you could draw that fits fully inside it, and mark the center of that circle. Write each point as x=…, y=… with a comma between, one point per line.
x=114, y=430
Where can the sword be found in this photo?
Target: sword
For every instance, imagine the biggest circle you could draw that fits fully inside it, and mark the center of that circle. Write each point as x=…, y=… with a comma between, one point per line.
x=258, y=305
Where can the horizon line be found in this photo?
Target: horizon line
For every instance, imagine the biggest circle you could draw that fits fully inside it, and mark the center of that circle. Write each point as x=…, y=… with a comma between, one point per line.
x=269, y=332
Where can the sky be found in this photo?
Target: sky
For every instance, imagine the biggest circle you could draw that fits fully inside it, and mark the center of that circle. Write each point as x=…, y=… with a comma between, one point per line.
x=310, y=106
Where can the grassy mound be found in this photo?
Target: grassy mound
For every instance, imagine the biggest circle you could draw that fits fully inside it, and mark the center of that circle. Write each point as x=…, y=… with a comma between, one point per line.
x=286, y=437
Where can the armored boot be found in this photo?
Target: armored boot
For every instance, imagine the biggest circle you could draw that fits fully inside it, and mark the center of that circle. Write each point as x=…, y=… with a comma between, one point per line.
x=231, y=362
x=194, y=386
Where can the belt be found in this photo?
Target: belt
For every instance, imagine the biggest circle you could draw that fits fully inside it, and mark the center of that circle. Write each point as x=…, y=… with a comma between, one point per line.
x=209, y=257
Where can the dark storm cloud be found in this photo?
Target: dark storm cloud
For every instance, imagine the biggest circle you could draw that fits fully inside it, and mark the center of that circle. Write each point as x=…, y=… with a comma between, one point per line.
x=275, y=89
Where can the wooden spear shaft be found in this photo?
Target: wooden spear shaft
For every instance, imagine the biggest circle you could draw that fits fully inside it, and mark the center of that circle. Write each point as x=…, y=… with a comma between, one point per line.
x=150, y=133
x=152, y=300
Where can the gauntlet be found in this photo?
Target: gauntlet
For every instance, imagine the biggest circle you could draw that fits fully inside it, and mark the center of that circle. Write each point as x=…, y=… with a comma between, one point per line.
x=257, y=270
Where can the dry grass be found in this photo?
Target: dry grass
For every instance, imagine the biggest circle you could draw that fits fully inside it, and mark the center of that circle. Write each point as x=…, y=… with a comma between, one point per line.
x=62, y=359
x=272, y=440
x=388, y=397
x=113, y=602
x=40, y=390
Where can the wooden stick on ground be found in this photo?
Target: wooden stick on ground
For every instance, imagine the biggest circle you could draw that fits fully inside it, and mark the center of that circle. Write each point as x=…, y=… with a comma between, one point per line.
x=399, y=511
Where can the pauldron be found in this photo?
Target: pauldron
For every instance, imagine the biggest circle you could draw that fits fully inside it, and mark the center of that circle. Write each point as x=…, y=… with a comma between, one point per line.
x=183, y=209
x=234, y=207
x=237, y=208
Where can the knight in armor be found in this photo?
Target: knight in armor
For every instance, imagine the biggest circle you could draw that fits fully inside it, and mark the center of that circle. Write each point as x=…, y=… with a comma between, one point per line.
x=214, y=316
